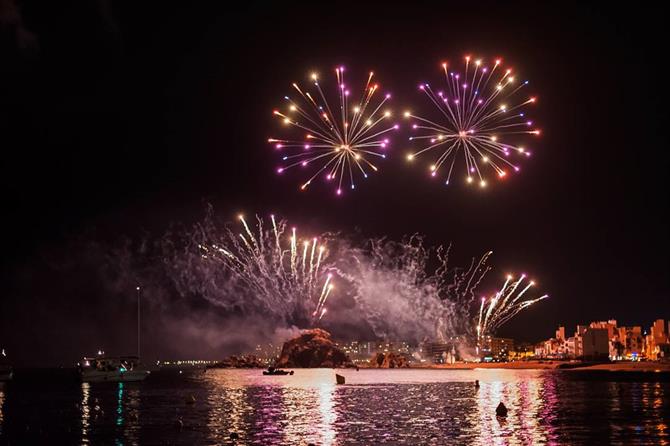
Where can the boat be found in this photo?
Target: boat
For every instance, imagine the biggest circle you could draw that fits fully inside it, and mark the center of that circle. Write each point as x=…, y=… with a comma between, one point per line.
x=271, y=371
x=112, y=369
x=6, y=370
x=103, y=368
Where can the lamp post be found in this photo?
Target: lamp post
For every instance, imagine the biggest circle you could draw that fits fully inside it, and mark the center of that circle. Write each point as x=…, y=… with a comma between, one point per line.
x=139, y=294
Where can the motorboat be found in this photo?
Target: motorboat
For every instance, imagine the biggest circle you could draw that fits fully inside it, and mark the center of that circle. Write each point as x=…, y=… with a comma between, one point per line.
x=103, y=368
x=112, y=369
x=271, y=371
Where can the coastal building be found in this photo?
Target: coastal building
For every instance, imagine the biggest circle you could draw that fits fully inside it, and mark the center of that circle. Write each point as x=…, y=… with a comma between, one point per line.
x=439, y=352
x=657, y=341
x=579, y=341
x=522, y=350
x=500, y=348
x=360, y=351
x=596, y=345
x=631, y=341
x=560, y=333
x=611, y=327
x=571, y=347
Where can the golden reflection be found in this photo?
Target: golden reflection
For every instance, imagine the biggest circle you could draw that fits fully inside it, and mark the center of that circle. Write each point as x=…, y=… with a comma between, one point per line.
x=268, y=410
x=227, y=403
x=646, y=399
x=328, y=414
x=85, y=412
x=2, y=403
x=131, y=429
x=526, y=399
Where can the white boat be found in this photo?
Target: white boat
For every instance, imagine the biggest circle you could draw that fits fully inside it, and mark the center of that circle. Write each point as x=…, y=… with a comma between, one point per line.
x=115, y=368
x=112, y=369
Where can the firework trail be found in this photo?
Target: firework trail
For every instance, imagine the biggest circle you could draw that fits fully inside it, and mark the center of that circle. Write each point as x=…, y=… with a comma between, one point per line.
x=390, y=289
x=479, y=110
x=339, y=142
x=504, y=305
x=257, y=270
x=402, y=297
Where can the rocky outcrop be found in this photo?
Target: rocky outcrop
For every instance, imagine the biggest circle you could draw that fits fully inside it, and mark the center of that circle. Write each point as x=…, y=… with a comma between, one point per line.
x=313, y=348
x=389, y=361
x=238, y=362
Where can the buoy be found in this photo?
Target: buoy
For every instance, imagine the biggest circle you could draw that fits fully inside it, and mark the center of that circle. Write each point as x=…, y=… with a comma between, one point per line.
x=339, y=379
x=501, y=410
x=477, y=384
x=178, y=424
x=234, y=436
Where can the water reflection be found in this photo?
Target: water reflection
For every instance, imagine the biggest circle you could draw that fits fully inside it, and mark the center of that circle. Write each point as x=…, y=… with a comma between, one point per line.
x=526, y=403
x=109, y=407
x=375, y=406
x=85, y=411
x=119, y=406
x=2, y=403
x=649, y=399
x=228, y=406
x=267, y=410
x=128, y=413
x=328, y=414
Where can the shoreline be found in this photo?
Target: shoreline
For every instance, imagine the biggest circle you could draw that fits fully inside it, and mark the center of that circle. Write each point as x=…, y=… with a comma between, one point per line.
x=627, y=366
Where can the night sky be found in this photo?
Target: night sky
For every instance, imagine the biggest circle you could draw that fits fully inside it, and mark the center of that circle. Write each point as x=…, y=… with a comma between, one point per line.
x=116, y=121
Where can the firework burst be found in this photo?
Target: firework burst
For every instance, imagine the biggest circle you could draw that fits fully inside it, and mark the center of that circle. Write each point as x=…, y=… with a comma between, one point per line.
x=481, y=118
x=278, y=269
x=496, y=310
x=340, y=143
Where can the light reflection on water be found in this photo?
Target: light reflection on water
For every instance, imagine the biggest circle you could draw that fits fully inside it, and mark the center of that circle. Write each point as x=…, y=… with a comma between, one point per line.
x=2, y=403
x=375, y=406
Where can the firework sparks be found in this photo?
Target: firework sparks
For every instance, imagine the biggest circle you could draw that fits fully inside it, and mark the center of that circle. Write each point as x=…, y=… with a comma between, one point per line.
x=340, y=144
x=496, y=310
x=278, y=268
x=479, y=110
x=409, y=290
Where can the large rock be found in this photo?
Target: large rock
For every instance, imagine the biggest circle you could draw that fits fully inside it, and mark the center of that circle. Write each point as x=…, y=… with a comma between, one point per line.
x=389, y=361
x=313, y=348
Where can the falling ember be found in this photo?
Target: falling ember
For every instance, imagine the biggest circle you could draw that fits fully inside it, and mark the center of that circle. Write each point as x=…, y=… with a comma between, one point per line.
x=478, y=117
x=342, y=139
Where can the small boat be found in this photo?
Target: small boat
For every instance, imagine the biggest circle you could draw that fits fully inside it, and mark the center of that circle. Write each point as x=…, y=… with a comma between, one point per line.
x=115, y=368
x=112, y=369
x=271, y=371
x=6, y=370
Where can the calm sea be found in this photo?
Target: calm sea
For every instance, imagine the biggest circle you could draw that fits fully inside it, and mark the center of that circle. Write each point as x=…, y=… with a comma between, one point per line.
x=374, y=407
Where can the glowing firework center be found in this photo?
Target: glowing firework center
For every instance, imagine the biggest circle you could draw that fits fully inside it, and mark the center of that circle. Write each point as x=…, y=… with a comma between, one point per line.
x=476, y=110
x=339, y=143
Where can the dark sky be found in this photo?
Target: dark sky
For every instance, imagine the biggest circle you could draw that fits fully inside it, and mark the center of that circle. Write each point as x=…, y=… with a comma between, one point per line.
x=116, y=120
